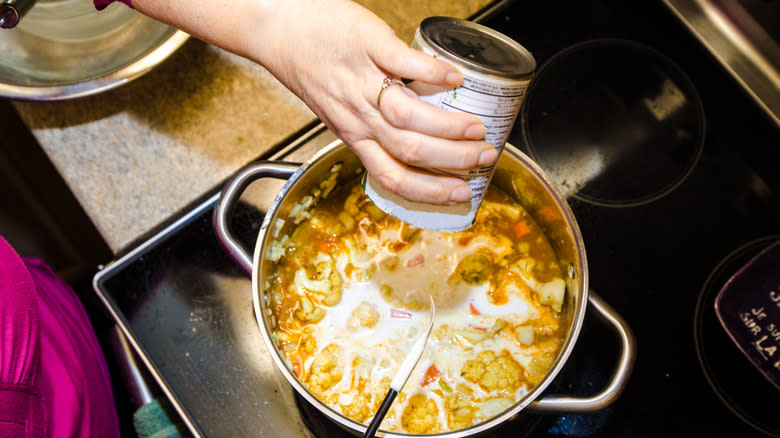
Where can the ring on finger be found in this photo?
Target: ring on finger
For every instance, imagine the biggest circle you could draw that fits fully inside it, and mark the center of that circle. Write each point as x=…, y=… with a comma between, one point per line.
x=387, y=82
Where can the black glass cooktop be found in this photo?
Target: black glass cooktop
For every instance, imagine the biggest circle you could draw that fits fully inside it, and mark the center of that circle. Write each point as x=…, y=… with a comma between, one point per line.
x=672, y=174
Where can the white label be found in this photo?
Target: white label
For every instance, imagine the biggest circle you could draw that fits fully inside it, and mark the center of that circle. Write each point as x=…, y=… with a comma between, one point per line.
x=496, y=101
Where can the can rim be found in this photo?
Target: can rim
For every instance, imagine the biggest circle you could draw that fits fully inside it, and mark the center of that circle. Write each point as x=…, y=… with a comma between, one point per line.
x=517, y=70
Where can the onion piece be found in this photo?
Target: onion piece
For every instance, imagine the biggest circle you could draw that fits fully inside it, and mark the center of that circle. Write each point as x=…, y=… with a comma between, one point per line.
x=494, y=406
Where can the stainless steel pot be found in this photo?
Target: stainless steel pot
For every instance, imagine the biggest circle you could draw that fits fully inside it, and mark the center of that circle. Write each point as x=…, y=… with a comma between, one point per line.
x=517, y=175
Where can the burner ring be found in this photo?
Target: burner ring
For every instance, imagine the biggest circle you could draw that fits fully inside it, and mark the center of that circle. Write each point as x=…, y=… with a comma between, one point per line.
x=613, y=122
x=710, y=339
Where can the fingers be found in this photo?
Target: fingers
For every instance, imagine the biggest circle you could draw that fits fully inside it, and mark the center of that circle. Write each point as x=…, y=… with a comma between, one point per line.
x=404, y=110
x=402, y=61
x=420, y=134
x=419, y=150
x=410, y=183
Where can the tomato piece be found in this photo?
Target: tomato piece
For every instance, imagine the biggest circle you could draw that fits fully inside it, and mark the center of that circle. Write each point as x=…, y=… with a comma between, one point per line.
x=431, y=374
x=400, y=314
x=419, y=259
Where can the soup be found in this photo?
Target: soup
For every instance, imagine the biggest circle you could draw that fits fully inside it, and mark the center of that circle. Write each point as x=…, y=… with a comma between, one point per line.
x=348, y=296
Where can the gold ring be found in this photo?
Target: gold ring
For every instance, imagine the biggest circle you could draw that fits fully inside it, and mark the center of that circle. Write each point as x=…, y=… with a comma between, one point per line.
x=386, y=82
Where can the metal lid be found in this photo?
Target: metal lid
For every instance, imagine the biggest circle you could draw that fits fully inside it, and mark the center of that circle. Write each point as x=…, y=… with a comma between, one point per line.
x=480, y=47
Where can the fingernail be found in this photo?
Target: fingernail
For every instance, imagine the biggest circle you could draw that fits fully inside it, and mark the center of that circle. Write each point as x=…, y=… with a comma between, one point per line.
x=461, y=194
x=489, y=156
x=475, y=131
x=454, y=79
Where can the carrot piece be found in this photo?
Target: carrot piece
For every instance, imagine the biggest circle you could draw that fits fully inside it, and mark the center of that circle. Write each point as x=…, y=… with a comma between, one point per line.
x=521, y=229
x=473, y=310
x=549, y=213
x=323, y=245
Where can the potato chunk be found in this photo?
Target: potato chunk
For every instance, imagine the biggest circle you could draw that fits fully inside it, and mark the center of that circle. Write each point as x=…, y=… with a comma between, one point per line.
x=552, y=294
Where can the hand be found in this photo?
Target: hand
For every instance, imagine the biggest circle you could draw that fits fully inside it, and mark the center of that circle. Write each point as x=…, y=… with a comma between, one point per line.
x=334, y=55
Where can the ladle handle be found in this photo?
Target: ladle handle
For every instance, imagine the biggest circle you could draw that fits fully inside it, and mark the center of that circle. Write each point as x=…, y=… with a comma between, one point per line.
x=229, y=196
x=580, y=405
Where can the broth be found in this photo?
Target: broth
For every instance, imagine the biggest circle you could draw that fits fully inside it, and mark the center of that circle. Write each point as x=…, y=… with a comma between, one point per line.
x=349, y=291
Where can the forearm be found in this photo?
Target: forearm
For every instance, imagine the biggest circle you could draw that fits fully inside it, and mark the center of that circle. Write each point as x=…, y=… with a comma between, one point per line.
x=285, y=36
x=234, y=25
x=335, y=55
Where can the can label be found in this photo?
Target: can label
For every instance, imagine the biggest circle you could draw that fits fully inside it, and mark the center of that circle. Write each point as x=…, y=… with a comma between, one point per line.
x=496, y=101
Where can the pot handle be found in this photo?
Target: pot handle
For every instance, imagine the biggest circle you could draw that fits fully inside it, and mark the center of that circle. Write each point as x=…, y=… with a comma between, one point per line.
x=573, y=405
x=228, y=197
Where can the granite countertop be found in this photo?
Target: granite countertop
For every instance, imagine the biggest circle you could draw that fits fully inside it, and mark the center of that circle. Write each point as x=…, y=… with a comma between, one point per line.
x=138, y=155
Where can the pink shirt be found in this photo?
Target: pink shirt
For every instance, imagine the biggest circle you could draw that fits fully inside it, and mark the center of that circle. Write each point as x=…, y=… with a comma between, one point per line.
x=53, y=376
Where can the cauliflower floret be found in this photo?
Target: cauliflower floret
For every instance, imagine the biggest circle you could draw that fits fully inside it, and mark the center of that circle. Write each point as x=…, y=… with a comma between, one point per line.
x=367, y=397
x=360, y=409
x=364, y=315
x=420, y=415
x=460, y=411
x=332, y=295
x=494, y=373
x=474, y=269
x=326, y=370
x=307, y=312
x=326, y=282
x=539, y=367
x=308, y=343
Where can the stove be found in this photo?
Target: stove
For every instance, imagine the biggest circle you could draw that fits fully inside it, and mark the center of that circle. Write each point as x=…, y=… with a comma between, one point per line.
x=666, y=221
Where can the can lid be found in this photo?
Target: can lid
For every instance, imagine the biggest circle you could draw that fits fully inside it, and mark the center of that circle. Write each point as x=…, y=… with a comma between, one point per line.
x=479, y=46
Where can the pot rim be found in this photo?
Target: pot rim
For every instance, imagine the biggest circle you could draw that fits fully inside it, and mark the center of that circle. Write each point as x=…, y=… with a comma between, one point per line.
x=534, y=394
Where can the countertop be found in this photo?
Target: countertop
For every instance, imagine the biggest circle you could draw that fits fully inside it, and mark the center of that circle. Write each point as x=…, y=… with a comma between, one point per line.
x=138, y=155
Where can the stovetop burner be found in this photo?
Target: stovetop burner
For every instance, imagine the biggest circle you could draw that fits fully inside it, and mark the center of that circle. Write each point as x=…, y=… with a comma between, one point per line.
x=613, y=122
x=737, y=383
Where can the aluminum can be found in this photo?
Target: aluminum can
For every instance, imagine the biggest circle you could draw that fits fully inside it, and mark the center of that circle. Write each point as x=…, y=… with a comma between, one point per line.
x=496, y=73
